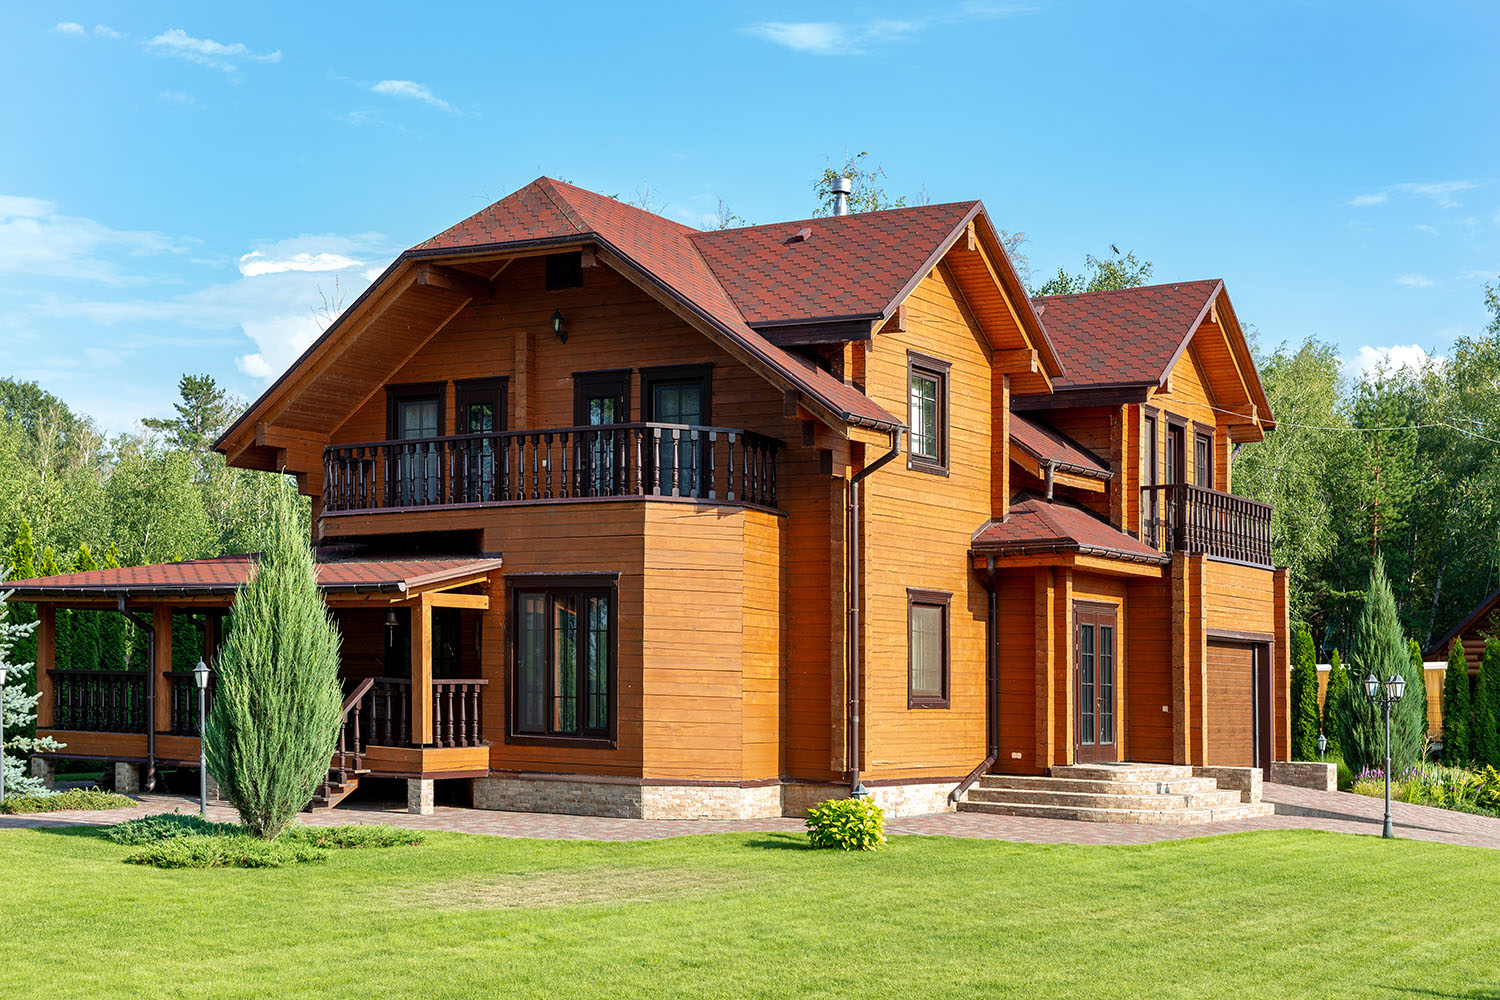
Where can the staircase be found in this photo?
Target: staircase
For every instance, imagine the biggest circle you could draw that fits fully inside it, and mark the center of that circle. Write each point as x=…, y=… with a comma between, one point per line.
x=348, y=755
x=1112, y=793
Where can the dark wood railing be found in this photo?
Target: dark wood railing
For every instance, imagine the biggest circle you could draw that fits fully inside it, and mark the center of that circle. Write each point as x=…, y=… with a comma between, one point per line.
x=99, y=701
x=349, y=752
x=456, y=713
x=182, y=713
x=560, y=463
x=1185, y=518
x=456, y=718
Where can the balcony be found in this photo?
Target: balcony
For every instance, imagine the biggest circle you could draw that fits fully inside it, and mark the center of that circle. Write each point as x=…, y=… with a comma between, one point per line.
x=640, y=460
x=1185, y=518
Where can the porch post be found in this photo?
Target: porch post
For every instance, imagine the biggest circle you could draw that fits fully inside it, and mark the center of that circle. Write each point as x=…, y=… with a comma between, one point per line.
x=421, y=671
x=46, y=660
x=158, y=687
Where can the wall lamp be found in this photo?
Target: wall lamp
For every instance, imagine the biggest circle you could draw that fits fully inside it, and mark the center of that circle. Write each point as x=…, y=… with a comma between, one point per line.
x=559, y=327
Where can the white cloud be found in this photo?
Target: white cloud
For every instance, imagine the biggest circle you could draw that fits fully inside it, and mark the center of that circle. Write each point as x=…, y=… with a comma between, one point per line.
x=1374, y=360
x=72, y=28
x=826, y=38
x=1378, y=198
x=1429, y=230
x=1415, y=281
x=105, y=31
x=411, y=90
x=206, y=52
x=36, y=240
x=176, y=97
x=1440, y=193
x=255, y=263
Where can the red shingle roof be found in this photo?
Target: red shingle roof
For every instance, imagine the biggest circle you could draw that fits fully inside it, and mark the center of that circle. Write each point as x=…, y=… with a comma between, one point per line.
x=1128, y=336
x=1045, y=444
x=225, y=574
x=549, y=210
x=1036, y=526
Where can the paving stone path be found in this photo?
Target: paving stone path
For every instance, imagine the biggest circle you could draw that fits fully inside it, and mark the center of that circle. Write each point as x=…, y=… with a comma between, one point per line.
x=1298, y=809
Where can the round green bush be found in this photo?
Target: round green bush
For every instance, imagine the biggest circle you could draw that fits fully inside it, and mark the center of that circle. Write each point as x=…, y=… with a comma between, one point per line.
x=848, y=824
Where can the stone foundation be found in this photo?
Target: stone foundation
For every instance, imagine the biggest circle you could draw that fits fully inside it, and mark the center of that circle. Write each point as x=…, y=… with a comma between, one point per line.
x=1245, y=780
x=127, y=778
x=1306, y=774
x=45, y=771
x=421, y=796
x=624, y=799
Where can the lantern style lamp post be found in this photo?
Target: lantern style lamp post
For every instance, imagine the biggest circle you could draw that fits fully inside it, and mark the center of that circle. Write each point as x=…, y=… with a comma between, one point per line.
x=2, y=732
x=1322, y=746
x=200, y=678
x=1385, y=695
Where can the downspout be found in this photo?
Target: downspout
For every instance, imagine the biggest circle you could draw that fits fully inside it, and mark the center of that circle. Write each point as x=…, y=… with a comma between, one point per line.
x=149, y=783
x=856, y=787
x=1050, y=466
x=992, y=686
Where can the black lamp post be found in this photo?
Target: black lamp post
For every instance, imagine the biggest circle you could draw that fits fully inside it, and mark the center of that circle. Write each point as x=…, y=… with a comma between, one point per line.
x=2, y=732
x=1385, y=695
x=200, y=678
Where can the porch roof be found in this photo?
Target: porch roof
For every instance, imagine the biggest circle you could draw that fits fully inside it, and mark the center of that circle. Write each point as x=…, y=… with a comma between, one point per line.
x=1037, y=527
x=1048, y=445
x=222, y=576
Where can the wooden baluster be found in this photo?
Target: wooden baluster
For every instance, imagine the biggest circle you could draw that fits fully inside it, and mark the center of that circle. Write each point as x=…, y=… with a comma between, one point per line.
x=732, y=441
x=403, y=709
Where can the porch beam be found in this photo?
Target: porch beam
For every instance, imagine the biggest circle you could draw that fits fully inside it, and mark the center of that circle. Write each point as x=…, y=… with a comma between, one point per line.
x=477, y=602
x=421, y=670
x=46, y=660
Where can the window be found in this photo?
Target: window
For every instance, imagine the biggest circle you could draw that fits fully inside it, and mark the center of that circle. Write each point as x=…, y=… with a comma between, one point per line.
x=563, y=657
x=927, y=413
x=677, y=395
x=927, y=648
x=599, y=400
x=479, y=409
x=414, y=416
x=1203, y=460
x=564, y=270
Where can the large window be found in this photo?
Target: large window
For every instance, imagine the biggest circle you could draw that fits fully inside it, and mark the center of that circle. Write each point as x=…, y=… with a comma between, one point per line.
x=927, y=648
x=927, y=413
x=414, y=416
x=563, y=657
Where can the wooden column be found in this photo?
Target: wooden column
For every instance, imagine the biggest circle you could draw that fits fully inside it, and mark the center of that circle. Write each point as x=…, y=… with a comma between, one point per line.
x=1000, y=452
x=1063, y=646
x=160, y=687
x=46, y=659
x=421, y=670
x=1182, y=712
x=213, y=623
x=1045, y=640
x=1281, y=669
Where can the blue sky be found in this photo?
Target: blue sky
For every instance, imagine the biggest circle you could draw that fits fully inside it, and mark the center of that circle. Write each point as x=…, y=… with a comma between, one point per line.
x=182, y=185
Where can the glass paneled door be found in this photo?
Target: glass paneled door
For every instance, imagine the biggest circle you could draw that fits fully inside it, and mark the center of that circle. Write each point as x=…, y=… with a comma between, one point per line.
x=1094, y=632
x=677, y=396
x=480, y=411
x=415, y=418
x=601, y=399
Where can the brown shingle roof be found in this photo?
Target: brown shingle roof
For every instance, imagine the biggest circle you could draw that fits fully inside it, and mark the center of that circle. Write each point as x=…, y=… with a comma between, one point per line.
x=1129, y=336
x=1046, y=444
x=1036, y=526
x=225, y=574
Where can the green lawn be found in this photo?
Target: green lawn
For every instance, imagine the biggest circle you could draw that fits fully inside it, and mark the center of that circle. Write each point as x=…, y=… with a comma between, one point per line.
x=1287, y=914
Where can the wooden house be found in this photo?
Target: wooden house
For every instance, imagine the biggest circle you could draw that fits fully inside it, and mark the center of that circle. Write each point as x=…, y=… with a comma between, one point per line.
x=621, y=517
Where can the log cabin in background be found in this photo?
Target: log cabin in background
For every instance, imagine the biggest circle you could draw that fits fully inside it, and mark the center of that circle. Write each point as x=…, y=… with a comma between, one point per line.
x=620, y=517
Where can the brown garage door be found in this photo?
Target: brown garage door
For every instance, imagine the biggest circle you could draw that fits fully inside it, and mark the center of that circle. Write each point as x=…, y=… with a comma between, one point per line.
x=1231, y=709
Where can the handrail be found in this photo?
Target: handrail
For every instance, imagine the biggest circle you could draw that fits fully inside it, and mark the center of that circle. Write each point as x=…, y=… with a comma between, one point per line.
x=1182, y=517
x=638, y=425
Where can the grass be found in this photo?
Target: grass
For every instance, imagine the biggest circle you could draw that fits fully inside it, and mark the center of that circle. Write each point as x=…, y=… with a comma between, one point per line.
x=73, y=798
x=1285, y=914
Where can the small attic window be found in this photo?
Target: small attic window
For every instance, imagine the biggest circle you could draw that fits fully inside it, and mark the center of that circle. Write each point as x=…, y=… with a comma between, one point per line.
x=564, y=270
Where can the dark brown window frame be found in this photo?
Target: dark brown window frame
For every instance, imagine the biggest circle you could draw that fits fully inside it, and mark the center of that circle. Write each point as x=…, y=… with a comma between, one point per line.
x=518, y=584
x=1179, y=461
x=1098, y=611
x=703, y=373
x=1207, y=432
x=940, y=370
x=500, y=385
x=562, y=271
x=943, y=600
x=582, y=380
x=408, y=391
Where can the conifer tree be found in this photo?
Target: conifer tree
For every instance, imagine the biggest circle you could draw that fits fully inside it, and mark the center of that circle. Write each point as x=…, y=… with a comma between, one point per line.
x=112, y=625
x=17, y=707
x=1304, y=696
x=85, y=623
x=1338, y=680
x=1380, y=649
x=23, y=567
x=275, y=717
x=1456, y=749
x=1484, y=739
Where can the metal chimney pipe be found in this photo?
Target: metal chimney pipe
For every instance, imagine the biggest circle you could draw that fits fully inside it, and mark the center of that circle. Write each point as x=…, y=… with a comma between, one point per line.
x=841, y=187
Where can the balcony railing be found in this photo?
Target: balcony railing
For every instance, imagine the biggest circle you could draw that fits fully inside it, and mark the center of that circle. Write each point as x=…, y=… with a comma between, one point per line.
x=378, y=712
x=560, y=463
x=99, y=701
x=182, y=715
x=1185, y=518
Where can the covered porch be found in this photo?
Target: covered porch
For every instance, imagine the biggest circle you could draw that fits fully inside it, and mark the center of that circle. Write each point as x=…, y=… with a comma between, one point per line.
x=410, y=668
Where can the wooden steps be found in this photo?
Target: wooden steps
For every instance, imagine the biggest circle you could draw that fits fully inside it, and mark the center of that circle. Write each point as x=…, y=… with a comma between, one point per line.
x=1155, y=794
x=334, y=790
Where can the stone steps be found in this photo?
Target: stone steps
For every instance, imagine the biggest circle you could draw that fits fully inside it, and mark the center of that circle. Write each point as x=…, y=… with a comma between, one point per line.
x=1114, y=793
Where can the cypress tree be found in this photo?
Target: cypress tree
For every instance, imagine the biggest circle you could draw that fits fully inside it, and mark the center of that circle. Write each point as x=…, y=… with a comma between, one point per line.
x=275, y=718
x=1484, y=739
x=112, y=637
x=1304, y=696
x=1380, y=648
x=85, y=623
x=63, y=627
x=1338, y=680
x=1456, y=707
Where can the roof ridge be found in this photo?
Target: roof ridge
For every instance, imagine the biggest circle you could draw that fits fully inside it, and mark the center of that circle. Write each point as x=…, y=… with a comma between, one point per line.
x=1134, y=288
x=713, y=234
x=565, y=208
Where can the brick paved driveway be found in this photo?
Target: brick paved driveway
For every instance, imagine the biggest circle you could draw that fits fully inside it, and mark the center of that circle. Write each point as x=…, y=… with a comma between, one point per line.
x=1297, y=809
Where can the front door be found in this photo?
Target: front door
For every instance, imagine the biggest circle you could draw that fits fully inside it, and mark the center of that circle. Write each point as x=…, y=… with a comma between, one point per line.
x=677, y=396
x=1094, y=637
x=601, y=399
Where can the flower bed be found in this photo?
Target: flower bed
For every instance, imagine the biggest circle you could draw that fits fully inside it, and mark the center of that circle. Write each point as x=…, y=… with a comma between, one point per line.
x=1436, y=785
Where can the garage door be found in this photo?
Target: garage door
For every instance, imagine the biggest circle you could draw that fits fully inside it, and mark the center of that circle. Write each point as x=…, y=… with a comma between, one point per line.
x=1231, y=705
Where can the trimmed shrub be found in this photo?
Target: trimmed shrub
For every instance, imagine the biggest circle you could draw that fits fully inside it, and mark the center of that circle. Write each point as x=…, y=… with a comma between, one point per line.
x=848, y=824
x=1304, y=696
x=275, y=716
x=73, y=798
x=1338, y=680
x=353, y=837
x=199, y=851
x=166, y=826
x=1456, y=749
x=1484, y=738
x=1380, y=648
